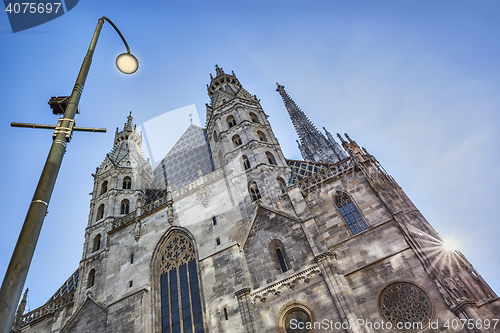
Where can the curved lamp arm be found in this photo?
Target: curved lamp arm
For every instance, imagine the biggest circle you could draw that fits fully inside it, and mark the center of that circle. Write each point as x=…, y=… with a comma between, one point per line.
x=14, y=279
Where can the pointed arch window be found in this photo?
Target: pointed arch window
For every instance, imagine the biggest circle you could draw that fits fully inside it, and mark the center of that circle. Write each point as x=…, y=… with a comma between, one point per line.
x=281, y=260
x=216, y=138
x=100, y=212
x=236, y=140
x=254, y=118
x=282, y=184
x=125, y=207
x=277, y=250
x=127, y=183
x=254, y=191
x=246, y=163
x=262, y=136
x=350, y=213
x=97, y=243
x=270, y=158
x=91, y=278
x=104, y=187
x=181, y=309
x=231, y=122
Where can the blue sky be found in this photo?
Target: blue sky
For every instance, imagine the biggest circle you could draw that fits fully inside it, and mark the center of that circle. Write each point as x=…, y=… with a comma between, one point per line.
x=415, y=82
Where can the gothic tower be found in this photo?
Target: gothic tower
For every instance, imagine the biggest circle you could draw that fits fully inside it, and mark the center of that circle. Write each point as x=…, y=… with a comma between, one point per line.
x=242, y=139
x=258, y=243
x=119, y=189
x=313, y=145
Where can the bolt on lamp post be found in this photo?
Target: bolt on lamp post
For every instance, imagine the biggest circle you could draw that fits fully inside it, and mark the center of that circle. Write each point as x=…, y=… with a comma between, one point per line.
x=17, y=271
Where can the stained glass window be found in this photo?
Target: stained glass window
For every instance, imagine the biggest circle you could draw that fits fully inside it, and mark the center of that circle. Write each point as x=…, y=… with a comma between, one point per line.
x=180, y=292
x=350, y=213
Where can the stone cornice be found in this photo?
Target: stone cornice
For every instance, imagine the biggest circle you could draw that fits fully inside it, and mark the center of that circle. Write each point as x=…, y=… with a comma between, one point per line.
x=290, y=282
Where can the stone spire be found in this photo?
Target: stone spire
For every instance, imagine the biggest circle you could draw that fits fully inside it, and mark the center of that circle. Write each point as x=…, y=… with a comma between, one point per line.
x=314, y=145
x=18, y=319
x=129, y=132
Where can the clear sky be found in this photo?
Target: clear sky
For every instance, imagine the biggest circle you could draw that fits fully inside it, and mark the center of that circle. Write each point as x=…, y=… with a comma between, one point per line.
x=416, y=82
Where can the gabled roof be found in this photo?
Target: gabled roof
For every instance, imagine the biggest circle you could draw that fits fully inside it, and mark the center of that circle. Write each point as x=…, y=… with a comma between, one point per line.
x=256, y=214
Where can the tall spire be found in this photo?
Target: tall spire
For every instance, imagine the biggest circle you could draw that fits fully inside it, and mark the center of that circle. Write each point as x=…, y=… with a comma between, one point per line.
x=313, y=145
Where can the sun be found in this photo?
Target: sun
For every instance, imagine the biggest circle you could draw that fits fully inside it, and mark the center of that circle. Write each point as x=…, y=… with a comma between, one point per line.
x=449, y=244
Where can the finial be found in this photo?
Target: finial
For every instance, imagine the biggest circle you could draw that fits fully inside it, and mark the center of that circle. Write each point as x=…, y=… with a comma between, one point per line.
x=191, y=118
x=232, y=72
x=218, y=70
x=348, y=138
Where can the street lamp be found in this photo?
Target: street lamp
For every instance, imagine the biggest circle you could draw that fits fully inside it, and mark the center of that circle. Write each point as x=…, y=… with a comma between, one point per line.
x=17, y=271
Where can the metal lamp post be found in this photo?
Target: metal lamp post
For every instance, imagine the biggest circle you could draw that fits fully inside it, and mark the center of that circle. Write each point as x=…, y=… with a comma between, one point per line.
x=17, y=271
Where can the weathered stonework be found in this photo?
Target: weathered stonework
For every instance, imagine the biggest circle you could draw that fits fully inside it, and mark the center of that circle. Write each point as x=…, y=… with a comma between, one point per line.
x=262, y=247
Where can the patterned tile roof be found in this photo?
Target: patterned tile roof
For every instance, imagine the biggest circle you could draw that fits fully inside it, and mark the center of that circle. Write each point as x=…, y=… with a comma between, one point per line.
x=190, y=154
x=67, y=287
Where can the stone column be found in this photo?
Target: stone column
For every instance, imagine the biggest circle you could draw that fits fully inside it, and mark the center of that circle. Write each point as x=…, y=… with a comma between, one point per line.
x=246, y=310
x=341, y=293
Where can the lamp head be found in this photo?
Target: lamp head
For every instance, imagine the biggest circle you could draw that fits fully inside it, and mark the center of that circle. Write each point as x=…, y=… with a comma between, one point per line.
x=127, y=63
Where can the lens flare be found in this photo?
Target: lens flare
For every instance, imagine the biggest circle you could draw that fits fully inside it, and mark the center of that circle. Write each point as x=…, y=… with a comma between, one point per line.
x=450, y=244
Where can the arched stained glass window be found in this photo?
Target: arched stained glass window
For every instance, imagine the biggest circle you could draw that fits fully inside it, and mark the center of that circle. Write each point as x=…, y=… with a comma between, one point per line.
x=350, y=214
x=180, y=289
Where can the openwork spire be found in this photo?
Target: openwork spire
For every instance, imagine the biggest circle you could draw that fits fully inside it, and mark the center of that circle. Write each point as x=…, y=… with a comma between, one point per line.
x=313, y=145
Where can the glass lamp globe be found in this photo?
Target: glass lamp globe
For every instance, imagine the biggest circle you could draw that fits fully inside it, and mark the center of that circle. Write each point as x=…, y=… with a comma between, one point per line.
x=127, y=63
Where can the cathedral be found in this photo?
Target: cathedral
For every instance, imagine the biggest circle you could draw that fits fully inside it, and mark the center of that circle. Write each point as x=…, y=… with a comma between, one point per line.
x=228, y=235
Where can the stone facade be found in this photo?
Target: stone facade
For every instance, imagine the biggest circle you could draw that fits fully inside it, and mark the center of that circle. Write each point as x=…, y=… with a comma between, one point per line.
x=245, y=240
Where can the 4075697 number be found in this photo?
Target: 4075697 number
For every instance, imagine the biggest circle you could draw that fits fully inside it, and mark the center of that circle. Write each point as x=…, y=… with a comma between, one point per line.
x=32, y=7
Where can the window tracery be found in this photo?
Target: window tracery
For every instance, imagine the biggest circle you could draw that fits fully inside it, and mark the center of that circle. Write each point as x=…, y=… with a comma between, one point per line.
x=125, y=207
x=271, y=159
x=180, y=291
x=127, y=183
x=406, y=303
x=231, y=122
x=254, y=191
x=350, y=213
x=246, y=163
x=262, y=136
x=236, y=140
x=254, y=118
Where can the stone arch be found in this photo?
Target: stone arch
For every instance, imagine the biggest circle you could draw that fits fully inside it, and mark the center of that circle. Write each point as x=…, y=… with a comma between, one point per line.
x=350, y=212
x=277, y=251
x=298, y=309
x=96, y=244
x=175, y=258
x=104, y=187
